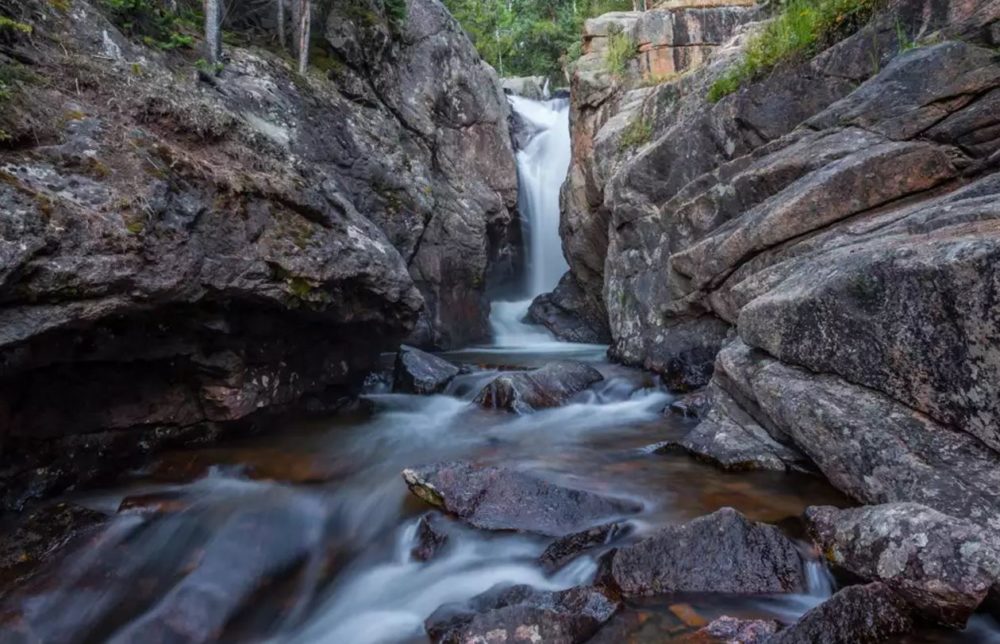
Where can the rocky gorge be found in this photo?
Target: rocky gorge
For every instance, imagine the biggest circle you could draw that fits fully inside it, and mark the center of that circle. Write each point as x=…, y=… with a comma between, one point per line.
x=268, y=372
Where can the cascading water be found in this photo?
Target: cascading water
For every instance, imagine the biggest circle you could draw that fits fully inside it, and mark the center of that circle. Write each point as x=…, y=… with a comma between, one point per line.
x=541, y=170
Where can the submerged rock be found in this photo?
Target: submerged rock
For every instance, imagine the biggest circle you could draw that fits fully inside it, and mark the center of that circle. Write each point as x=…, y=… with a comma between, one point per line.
x=33, y=538
x=722, y=552
x=855, y=615
x=431, y=537
x=419, y=372
x=565, y=549
x=942, y=565
x=498, y=498
x=526, y=391
x=730, y=630
x=523, y=614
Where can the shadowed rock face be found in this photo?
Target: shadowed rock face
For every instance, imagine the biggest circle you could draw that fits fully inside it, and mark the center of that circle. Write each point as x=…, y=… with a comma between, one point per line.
x=857, y=614
x=186, y=253
x=942, y=565
x=722, y=552
x=523, y=614
x=419, y=372
x=526, y=391
x=498, y=498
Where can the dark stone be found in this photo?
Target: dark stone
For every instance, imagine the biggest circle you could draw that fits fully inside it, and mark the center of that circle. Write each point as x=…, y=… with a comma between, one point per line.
x=722, y=552
x=567, y=314
x=942, y=565
x=565, y=549
x=431, y=537
x=499, y=498
x=527, y=391
x=523, y=614
x=855, y=615
x=419, y=372
x=691, y=405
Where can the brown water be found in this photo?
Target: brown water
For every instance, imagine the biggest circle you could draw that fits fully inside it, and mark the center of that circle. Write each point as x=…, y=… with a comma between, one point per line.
x=305, y=536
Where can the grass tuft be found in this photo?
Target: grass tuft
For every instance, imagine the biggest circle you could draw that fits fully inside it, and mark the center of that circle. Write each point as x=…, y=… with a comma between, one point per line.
x=621, y=49
x=638, y=132
x=802, y=27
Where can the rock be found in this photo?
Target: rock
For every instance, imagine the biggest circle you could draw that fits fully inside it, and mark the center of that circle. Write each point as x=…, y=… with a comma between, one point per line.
x=523, y=614
x=730, y=630
x=568, y=315
x=527, y=391
x=431, y=537
x=722, y=552
x=692, y=405
x=156, y=502
x=419, y=372
x=942, y=565
x=533, y=87
x=499, y=498
x=565, y=549
x=31, y=540
x=855, y=615
x=731, y=439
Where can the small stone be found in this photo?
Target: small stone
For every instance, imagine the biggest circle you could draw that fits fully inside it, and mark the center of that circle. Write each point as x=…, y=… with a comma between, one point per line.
x=431, y=537
x=562, y=551
x=419, y=372
x=527, y=391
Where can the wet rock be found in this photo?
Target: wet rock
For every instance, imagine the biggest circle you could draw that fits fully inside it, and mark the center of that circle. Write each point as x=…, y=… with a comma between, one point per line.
x=855, y=615
x=526, y=391
x=692, y=405
x=563, y=550
x=567, y=313
x=722, y=552
x=731, y=439
x=942, y=565
x=32, y=540
x=498, y=498
x=730, y=630
x=523, y=614
x=419, y=372
x=288, y=465
x=533, y=87
x=156, y=502
x=431, y=537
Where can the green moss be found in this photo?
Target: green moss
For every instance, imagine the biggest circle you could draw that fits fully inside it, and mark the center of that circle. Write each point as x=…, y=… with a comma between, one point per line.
x=636, y=133
x=12, y=26
x=621, y=50
x=61, y=5
x=134, y=225
x=800, y=29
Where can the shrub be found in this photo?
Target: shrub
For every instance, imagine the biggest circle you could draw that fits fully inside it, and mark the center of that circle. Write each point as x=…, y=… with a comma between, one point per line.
x=800, y=29
x=621, y=49
x=638, y=132
x=156, y=26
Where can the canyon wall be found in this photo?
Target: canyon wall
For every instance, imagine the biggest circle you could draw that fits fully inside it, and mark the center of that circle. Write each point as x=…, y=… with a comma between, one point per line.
x=820, y=245
x=183, y=247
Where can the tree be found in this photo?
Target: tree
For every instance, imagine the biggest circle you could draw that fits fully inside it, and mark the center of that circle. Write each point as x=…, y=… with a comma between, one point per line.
x=213, y=40
x=304, y=17
x=281, y=22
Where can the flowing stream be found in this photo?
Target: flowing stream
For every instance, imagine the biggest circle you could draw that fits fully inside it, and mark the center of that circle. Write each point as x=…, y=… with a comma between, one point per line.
x=305, y=534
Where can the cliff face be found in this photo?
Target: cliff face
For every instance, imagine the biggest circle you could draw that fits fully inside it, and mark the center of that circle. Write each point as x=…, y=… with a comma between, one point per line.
x=179, y=251
x=826, y=238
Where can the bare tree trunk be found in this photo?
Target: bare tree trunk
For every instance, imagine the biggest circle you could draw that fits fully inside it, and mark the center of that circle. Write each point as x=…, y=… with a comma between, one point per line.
x=304, y=17
x=281, y=23
x=213, y=44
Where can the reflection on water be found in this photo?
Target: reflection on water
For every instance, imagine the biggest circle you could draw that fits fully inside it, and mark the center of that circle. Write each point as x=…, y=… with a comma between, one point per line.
x=305, y=536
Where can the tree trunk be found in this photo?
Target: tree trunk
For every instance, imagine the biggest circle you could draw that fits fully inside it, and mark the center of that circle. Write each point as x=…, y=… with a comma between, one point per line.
x=303, y=37
x=281, y=23
x=213, y=44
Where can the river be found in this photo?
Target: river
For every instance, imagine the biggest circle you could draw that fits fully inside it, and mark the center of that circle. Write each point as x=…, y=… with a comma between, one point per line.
x=304, y=535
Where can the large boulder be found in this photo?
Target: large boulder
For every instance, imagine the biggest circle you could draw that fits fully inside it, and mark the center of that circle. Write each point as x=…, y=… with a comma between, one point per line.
x=944, y=566
x=722, y=552
x=527, y=391
x=419, y=372
x=855, y=615
x=499, y=498
x=523, y=614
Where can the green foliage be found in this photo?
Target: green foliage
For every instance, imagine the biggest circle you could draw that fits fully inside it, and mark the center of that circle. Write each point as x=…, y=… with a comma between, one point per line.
x=801, y=28
x=529, y=37
x=153, y=24
x=203, y=65
x=905, y=42
x=637, y=133
x=621, y=49
x=396, y=11
x=13, y=26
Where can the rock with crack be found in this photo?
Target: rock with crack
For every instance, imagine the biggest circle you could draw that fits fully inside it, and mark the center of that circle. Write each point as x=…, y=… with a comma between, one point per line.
x=942, y=565
x=527, y=391
x=723, y=552
x=419, y=372
x=855, y=615
x=491, y=497
x=523, y=614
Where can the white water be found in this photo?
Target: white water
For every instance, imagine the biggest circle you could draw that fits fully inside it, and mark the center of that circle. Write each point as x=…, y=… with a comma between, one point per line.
x=541, y=170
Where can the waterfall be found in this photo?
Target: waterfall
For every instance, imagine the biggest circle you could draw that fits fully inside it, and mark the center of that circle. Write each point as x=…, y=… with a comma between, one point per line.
x=541, y=169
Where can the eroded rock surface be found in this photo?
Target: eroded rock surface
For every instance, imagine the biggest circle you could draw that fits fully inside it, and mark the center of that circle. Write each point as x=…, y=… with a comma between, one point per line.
x=523, y=614
x=722, y=552
x=498, y=498
x=942, y=565
x=527, y=391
